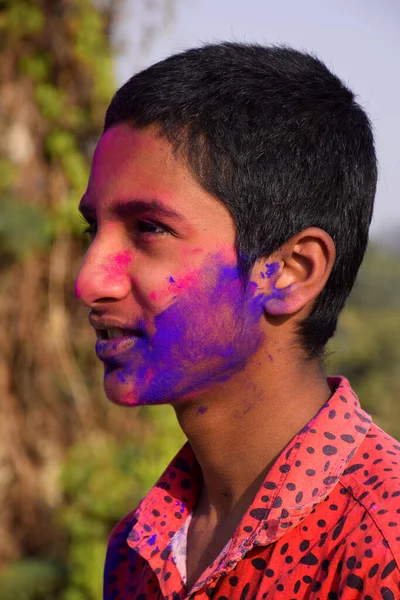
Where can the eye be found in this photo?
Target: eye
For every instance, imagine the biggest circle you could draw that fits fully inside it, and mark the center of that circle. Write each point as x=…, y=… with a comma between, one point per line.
x=150, y=227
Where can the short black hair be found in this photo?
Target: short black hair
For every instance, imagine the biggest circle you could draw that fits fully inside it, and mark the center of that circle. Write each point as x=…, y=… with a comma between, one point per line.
x=280, y=140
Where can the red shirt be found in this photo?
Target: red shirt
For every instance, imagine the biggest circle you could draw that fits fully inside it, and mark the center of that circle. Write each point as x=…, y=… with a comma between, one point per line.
x=324, y=525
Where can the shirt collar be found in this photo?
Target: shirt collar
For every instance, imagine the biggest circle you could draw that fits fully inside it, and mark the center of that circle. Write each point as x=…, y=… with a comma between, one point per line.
x=302, y=476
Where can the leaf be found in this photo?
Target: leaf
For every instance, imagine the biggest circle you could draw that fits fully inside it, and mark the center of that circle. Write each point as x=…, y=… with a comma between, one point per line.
x=31, y=579
x=23, y=227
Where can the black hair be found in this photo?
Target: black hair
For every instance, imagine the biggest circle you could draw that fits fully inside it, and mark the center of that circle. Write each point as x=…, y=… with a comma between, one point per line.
x=280, y=140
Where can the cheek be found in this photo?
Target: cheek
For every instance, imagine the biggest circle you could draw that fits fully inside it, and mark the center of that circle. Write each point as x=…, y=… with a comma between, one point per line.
x=196, y=269
x=218, y=307
x=177, y=281
x=174, y=287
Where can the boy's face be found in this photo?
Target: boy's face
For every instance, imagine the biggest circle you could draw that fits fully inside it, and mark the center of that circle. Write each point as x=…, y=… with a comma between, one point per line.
x=160, y=275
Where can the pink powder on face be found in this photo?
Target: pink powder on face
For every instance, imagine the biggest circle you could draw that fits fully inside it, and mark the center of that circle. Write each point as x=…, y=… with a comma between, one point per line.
x=149, y=375
x=178, y=284
x=77, y=290
x=122, y=259
x=186, y=281
x=128, y=399
x=175, y=285
x=117, y=264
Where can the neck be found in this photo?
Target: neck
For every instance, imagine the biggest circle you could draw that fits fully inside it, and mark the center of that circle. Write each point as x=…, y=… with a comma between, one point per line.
x=238, y=430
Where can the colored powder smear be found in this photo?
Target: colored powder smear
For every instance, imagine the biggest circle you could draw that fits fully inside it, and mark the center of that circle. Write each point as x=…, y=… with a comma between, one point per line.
x=271, y=269
x=206, y=336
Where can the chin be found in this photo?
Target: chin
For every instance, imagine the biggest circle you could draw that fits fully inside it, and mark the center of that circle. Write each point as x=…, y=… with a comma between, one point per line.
x=120, y=389
x=124, y=389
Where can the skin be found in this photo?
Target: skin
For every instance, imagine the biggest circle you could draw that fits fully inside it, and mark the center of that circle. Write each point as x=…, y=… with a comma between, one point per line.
x=225, y=356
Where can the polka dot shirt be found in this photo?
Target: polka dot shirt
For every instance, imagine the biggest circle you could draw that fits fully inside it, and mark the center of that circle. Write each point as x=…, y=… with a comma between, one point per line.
x=325, y=524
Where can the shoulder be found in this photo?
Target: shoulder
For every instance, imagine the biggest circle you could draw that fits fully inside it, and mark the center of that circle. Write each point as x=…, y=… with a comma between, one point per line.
x=373, y=477
x=365, y=536
x=119, y=557
x=373, y=480
x=117, y=541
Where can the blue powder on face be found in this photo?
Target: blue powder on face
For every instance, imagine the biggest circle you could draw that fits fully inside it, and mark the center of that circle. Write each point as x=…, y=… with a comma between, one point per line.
x=121, y=377
x=202, y=410
x=204, y=337
x=271, y=269
x=151, y=541
x=171, y=279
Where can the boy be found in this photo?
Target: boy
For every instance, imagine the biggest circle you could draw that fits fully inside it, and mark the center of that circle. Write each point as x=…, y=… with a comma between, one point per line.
x=229, y=204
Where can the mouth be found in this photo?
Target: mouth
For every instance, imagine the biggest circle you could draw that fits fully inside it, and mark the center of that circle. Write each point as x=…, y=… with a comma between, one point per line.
x=115, y=333
x=114, y=345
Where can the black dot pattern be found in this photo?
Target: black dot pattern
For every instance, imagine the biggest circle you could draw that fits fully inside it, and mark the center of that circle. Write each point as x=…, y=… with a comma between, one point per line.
x=325, y=524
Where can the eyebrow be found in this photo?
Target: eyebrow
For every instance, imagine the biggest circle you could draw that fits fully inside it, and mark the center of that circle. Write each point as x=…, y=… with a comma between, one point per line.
x=123, y=209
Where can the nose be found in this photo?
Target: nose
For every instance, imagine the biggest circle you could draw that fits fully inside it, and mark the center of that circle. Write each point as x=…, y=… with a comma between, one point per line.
x=103, y=277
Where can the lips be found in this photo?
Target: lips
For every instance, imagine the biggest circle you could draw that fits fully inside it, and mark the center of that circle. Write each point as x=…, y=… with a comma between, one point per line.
x=116, y=333
x=114, y=338
x=117, y=347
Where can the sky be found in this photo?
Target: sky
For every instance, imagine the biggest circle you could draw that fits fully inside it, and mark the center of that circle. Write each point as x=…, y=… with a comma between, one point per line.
x=358, y=39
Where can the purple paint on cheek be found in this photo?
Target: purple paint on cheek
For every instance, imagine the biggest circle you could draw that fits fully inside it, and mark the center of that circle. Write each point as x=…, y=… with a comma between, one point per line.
x=202, y=410
x=151, y=541
x=180, y=285
x=206, y=336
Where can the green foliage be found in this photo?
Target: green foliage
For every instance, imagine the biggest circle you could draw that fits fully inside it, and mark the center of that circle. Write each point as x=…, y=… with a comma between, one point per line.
x=76, y=169
x=7, y=174
x=66, y=218
x=23, y=228
x=89, y=34
x=71, y=123
x=31, y=580
x=103, y=79
x=378, y=283
x=103, y=479
x=61, y=145
x=36, y=67
x=23, y=18
x=60, y=142
x=89, y=48
x=367, y=352
x=50, y=101
x=366, y=348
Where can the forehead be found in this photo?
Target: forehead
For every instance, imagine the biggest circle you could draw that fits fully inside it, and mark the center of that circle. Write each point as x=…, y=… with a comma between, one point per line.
x=131, y=164
x=126, y=155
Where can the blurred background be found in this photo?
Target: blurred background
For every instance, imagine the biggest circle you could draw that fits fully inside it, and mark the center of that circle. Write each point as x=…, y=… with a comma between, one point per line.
x=71, y=464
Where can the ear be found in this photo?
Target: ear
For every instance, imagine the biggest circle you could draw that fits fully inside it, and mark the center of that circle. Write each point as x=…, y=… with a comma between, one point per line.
x=295, y=275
